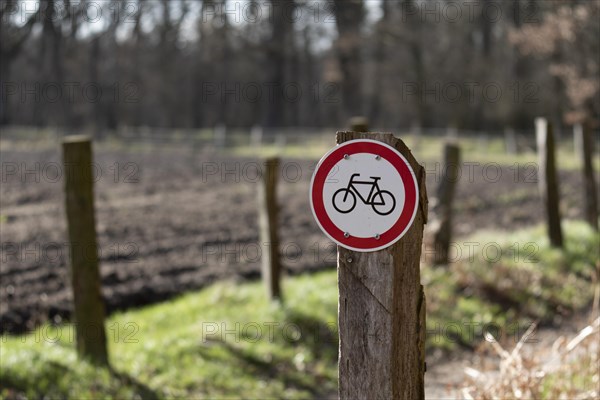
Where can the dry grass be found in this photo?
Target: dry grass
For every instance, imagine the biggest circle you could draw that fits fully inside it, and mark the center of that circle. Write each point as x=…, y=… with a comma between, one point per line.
x=570, y=369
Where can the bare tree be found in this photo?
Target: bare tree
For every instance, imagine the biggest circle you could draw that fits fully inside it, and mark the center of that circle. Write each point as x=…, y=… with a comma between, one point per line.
x=278, y=54
x=566, y=44
x=395, y=69
x=12, y=39
x=350, y=17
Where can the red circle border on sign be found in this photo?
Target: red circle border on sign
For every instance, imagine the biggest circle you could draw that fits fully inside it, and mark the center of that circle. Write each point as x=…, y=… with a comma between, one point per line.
x=404, y=170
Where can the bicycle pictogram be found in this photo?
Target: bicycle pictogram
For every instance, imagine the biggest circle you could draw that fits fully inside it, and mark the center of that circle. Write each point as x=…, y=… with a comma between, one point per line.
x=383, y=202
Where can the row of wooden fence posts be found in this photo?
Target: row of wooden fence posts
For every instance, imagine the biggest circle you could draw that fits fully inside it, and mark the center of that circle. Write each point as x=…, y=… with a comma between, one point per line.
x=369, y=283
x=89, y=309
x=548, y=182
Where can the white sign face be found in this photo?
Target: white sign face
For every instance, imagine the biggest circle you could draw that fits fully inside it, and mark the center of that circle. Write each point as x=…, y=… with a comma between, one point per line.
x=364, y=195
x=365, y=199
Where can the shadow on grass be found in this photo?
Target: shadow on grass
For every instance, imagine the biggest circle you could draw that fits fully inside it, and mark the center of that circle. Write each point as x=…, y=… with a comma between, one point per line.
x=320, y=337
x=279, y=369
x=309, y=334
x=144, y=391
x=15, y=388
x=44, y=385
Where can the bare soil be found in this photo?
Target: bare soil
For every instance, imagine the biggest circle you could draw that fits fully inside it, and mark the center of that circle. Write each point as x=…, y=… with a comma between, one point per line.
x=174, y=220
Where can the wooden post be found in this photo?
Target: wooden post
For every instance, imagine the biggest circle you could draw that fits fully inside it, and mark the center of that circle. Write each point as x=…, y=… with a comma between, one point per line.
x=451, y=133
x=591, y=199
x=269, y=236
x=382, y=308
x=220, y=136
x=443, y=207
x=416, y=132
x=510, y=141
x=359, y=124
x=578, y=141
x=483, y=142
x=548, y=180
x=280, y=141
x=256, y=135
x=85, y=280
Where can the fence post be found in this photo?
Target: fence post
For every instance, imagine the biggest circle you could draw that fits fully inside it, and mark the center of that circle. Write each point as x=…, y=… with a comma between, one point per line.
x=578, y=141
x=451, y=133
x=416, y=132
x=548, y=179
x=359, y=124
x=382, y=307
x=443, y=207
x=85, y=279
x=256, y=134
x=280, y=141
x=269, y=235
x=220, y=136
x=510, y=141
x=591, y=199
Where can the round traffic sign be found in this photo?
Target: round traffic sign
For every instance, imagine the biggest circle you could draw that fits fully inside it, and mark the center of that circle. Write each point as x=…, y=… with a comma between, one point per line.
x=364, y=195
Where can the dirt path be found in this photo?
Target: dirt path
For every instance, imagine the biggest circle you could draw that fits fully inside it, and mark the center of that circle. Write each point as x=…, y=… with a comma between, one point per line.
x=446, y=374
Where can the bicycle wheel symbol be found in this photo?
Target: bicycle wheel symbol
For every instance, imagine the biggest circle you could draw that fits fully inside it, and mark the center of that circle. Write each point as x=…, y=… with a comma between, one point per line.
x=344, y=200
x=386, y=203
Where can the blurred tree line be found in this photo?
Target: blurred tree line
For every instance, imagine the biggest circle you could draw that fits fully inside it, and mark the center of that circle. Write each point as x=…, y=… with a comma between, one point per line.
x=474, y=64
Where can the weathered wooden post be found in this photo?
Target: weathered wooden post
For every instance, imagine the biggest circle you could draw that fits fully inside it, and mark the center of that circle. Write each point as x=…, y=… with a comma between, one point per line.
x=280, y=141
x=256, y=134
x=269, y=235
x=548, y=180
x=510, y=141
x=591, y=199
x=442, y=232
x=578, y=141
x=417, y=133
x=451, y=133
x=359, y=124
x=85, y=280
x=382, y=306
x=220, y=136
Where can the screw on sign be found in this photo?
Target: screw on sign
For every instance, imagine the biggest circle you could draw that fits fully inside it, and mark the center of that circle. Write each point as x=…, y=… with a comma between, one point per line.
x=364, y=195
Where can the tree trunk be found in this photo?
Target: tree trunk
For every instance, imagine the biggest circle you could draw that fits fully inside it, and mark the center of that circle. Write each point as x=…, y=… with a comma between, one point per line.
x=349, y=16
